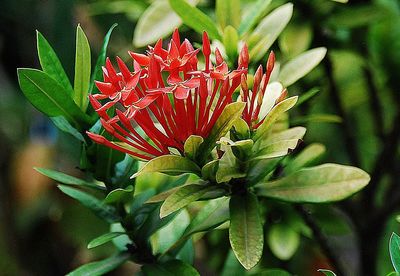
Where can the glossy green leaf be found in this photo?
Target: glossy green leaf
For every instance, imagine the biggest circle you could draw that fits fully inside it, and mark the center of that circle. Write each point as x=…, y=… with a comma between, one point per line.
x=120, y=195
x=103, y=211
x=67, y=179
x=169, y=164
x=170, y=268
x=105, y=238
x=192, y=145
x=223, y=124
x=182, y=197
x=324, y=183
x=394, y=250
x=253, y=15
x=213, y=214
x=195, y=18
x=48, y=96
x=245, y=230
x=227, y=13
x=101, y=60
x=51, y=64
x=62, y=124
x=306, y=157
x=327, y=272
x=230, y=40
x=283, y=241
x=273, y=115
x=265, y=34
x=124, y=170
x=229, y=167
x=277, y=149
x=101, y=267
x=393, y=273
x=301, y=65
x=157, y=21
x=82, y=69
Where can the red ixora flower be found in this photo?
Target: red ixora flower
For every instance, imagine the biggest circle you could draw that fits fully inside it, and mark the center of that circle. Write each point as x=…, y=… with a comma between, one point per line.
x=167, y=97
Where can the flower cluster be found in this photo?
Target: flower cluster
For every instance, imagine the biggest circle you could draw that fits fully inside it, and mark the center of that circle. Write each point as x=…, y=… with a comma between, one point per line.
x=167, y=97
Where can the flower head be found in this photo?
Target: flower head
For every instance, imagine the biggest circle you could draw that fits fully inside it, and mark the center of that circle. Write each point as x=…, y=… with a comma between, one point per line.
x=165, y=99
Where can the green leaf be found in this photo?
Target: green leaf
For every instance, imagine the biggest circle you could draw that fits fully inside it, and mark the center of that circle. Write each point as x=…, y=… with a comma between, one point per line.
x=393, y=273
x=283, y=241
x=327, y=272
x=253, y=16
x=209, y=170
x=229, y=167
x=120, y=195
x=223, y=124
x=301, y=65
x=273, y=115
x=192, y=145
x=394, y=250
x=105, y=238
x=195, y=18
x=157, y=21
x=213, y=214
x=48, y=96
x=227, y=13
x=296, y=133
x=170, y=268
x=232, y=266
x=101, y=267
x=82, y=69
x=306, y=157
x=324, y=183
x=277, y=149
x=230, y=40
x=273, y=272
x=241, y=129
x=295, y=39
x=162, y=196
x=259, y=169
x=308, y=95
x=103, y=211
x=245, y=230
x=101, y=60
x=268, y=31
x=62, y=124
x=67, y=179
x=182, y=197
x=317, y=118
x=169, y=164
x=51, y=64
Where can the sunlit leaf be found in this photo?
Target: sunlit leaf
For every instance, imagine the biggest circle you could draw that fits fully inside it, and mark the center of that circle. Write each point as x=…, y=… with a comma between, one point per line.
x=283, y=241
x=227, y=13
x=107, y=237
x=253, y=15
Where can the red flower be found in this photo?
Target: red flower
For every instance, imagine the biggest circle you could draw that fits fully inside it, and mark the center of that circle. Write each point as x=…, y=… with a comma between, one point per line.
x=165, y=99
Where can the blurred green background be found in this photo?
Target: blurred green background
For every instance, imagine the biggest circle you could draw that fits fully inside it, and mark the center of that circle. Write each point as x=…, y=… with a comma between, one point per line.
x=44, y=233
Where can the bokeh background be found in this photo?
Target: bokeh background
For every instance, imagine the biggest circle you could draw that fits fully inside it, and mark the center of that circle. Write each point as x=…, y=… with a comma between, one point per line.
x=356, y=116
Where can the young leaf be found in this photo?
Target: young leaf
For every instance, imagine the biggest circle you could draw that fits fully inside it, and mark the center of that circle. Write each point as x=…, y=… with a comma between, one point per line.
x=227, y=13
x=62, y=124
x=209, y=170
x=192, y=145
x=169, y=164
x=67, y=179
x=394, y=250
x=245, y=230
x=48, y=96
x=97, y=71
x=51, y=64
x=157, y=21
x=253, y=15
x=103, y=211
x=277, y=149
x=230, y=40
x=170, y=268
x=105, y=238
x=224, y=123
x=120, y=195
x=101, y=267
x=283, y=241
x=324, y=183
x=301, y=65
x=182, y=197
x=268, y=31
x=229, y=167
x=195, y=18
x=273, y=115
x=287, y=134
x=82, y=69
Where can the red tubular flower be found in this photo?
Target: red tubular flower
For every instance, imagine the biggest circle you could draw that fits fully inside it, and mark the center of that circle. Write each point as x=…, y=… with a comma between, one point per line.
x=165, y=99
x=254, y=98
